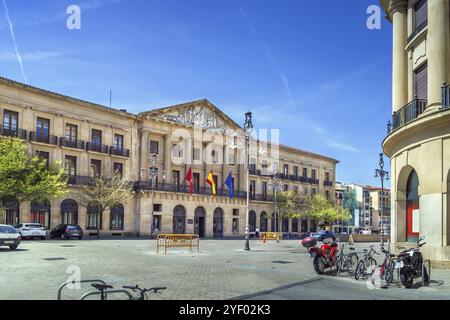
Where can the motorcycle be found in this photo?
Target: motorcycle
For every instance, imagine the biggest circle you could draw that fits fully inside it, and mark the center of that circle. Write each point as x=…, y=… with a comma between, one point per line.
x=325, y=256
x=410, y=263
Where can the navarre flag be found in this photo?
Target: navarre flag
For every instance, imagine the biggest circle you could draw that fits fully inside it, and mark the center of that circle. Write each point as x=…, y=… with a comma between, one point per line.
x=189, y=179
x=229, y=184
x=210, y=181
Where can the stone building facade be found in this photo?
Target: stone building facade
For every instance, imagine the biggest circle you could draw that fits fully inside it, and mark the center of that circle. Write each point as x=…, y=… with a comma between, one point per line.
x=89, y=139
x=418, y=139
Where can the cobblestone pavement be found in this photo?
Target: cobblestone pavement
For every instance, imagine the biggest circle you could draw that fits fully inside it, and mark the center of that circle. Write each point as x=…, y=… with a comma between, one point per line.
x=221, y=270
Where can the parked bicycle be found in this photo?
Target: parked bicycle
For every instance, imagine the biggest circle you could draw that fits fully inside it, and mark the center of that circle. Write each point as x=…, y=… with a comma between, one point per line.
x=367, y=264
x=103, y=290
x=347, y=262
x=383, y=275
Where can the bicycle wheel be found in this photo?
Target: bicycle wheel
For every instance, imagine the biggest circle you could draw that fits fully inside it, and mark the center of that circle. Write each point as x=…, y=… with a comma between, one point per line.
x=369, y=266
x=360, y=269
x=353, y=260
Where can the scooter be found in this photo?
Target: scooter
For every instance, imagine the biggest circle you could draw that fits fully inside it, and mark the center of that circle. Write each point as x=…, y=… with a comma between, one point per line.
x=410, y=263
x=325, y=256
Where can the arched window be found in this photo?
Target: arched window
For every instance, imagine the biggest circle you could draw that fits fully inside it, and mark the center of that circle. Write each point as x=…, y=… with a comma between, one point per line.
x=263, y=222
x=252, y=221
x=11, y=212
x=412, y=207
x=94, y=218
x=218, y=223
x=199, y=221
x=69, y=212
x=285, y=225
x=116, y=217
x=179, y=219
x=40, y=213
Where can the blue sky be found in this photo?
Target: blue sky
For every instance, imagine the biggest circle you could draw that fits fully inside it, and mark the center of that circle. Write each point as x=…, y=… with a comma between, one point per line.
x=310, y=68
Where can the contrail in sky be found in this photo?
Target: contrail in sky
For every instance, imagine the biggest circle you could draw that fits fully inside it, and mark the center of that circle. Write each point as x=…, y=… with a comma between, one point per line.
x=16, y=48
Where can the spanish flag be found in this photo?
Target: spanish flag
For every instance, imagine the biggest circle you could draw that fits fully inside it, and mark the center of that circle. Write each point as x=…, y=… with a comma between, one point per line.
x=210, y=181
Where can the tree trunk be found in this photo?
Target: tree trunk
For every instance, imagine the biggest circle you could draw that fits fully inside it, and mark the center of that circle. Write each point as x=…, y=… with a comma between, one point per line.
x=98, y=226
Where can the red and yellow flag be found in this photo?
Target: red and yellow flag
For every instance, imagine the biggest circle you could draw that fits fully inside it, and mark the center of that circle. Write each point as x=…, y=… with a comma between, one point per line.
x=210, y=181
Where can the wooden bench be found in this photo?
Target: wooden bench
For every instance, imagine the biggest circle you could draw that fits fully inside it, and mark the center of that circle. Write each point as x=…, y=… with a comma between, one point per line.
x=177, y=241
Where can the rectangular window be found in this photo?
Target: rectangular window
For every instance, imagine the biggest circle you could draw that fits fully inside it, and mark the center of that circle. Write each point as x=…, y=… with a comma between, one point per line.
x=196, y=154
x=96, y=168
x=420, y=14
x=96, y=137
x=327, y=194
x=71, y=132
x=305, y=172
x=154, y=147
x=285, y=187
x=286, y=170
x=157, y=207
x=235, y=225
x=176, y=151
x=42, y=128
x=10, y=123
x=118, y=168
x=313, y=174
x=264, y=189
x=313, y=191
x=44, y=155
x=252, y=189
x=327, y=176
x=196, y=182
x=421, y=82
x=118, y=142
x=70, y=166
x=176, y=179
x=296, y=171
x=235, y=212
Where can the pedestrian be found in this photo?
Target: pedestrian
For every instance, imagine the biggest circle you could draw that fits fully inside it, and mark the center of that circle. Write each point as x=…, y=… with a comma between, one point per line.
x=257, y=233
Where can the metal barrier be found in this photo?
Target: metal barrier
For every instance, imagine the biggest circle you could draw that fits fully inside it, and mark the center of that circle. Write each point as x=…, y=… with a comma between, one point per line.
x=74, y=282
x=177, y=240
x=266, y=236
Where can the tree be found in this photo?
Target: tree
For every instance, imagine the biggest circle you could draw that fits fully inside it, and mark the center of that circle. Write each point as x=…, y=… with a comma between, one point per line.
x=24, y=177
x=104, y=193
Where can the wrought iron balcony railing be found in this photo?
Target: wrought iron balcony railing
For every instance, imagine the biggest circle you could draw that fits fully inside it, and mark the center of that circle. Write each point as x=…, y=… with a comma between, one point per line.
x=75, y=144
x=419, y=28
x=44, y=138
x=328, y=183
x=19, y=133
x=97, y=147
x=79, y=180
x=119, y=152
x=407, y=114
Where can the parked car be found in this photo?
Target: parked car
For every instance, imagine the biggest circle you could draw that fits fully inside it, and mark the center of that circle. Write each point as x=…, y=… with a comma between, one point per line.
x=304, y=235
x=31, y=230
x=66, y=231
x=324, y=234
x=9, y=237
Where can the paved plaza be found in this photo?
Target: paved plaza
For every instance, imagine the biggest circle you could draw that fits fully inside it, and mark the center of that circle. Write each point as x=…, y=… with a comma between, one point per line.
x=221, y=270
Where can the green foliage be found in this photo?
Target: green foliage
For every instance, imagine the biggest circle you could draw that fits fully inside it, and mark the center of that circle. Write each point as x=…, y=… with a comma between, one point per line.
x=27, y=178
x=293, y=205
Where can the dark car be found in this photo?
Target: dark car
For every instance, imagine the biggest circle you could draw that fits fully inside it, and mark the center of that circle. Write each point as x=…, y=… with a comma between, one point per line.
x=304, y=235
x=324, y=234
x=66, y=231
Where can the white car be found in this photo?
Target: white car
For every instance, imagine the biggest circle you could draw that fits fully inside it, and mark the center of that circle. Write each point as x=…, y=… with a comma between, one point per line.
x=9, y=237
x=31, y=230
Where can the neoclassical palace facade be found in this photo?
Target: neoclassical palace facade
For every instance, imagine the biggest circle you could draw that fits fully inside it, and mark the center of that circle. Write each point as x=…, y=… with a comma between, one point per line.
x=154, y=150
x=418, y=139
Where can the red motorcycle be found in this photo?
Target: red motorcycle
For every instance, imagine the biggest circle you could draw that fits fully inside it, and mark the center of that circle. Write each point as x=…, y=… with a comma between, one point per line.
x=325, y=256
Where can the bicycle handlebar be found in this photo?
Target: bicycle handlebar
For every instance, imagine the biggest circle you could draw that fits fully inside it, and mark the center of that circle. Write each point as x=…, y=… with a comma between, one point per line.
x=136, y=288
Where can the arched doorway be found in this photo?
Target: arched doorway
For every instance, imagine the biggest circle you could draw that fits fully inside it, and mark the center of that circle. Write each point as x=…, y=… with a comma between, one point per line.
x=40, y=213
x=285, y=225
x=179, y=219
x=69, y=212
x=94, y=218
x=218, y=223
x=273, y=223
x=11, y=212
x=116, y=217
x=263, y=222
x=199, y=221
x=412, y=207
x=252, y=221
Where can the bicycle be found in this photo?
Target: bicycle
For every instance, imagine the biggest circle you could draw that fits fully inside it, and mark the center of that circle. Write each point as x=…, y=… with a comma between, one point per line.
x=366, y=263
x=347, y=262
x=103, y=291
x=383, y=275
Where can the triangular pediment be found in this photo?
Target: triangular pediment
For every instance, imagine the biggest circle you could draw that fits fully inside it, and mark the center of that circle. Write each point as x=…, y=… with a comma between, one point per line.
x=201, y=113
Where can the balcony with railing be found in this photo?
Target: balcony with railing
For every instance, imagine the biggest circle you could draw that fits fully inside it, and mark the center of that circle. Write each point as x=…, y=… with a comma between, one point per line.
x=328, y=183
x=43, y=138
x=18, y=133
x=407, y=114
x=97, y=147
x=79, y=180
x=122, y=152
x=74, y=144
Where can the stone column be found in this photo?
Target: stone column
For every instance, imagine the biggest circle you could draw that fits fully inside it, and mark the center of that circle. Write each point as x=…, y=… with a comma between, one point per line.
x=168, y=157
x=144, y=155
x=437, y=50
x=399, y=67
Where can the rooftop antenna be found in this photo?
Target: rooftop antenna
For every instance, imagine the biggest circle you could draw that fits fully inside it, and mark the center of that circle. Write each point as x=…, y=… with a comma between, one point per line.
x=110, y=98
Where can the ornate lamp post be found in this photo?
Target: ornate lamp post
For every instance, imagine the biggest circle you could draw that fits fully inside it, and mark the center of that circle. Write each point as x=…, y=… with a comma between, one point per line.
x=248, y=126
x=276, y=187
x=153, y=175
x=382, y=174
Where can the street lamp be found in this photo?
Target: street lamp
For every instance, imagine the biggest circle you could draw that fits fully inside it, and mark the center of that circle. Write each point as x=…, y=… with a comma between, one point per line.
x=153, y=175
x=248, y=126
x=276, y=186
x=382, y=174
